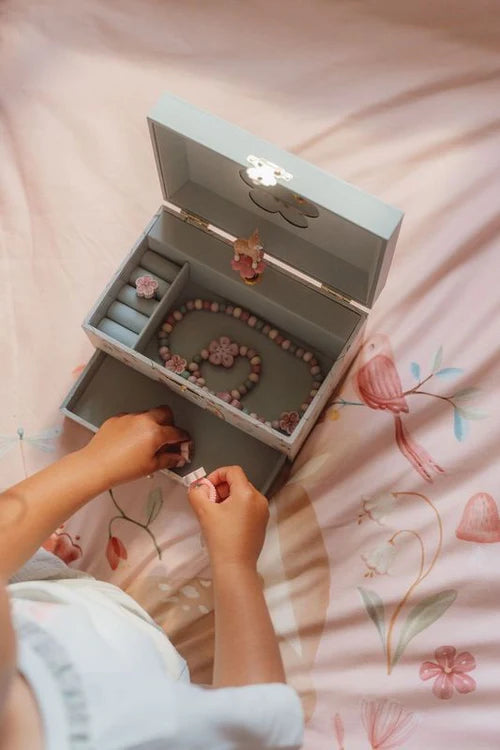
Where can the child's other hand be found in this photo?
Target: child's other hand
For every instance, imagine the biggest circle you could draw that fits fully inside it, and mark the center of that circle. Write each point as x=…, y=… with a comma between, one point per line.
x=130, y=446
x=235, y=528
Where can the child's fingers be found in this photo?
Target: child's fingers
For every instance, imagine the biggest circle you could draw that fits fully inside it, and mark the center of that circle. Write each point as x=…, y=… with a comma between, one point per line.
x=161, y=414
x=166, y=460
x=233, y=476
x=199, y=495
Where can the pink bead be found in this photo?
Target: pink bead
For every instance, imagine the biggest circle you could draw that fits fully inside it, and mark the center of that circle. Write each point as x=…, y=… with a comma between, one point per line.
x=236, y=403
x=204, y=354
x=273, y=334
x=253, y=377
x=266, y=329
x=190, y=304
x=164, y=352
x=198, y=304
x=257, y=368
x=225, y=396
x=192, y=378
x=279, y=340
x=171, y=320
x=167, y=327
x=255, y=360
x=229, y=310
x=193, y=367
x=251, y=353
x=286, y=344
x=177, y=315
x=243, y=390
x=237, y=312
x=200, y=381
x=236, y=394
x=243, y=350
x=261, y=419
x=252, y=320
x=214, y=307
x=206, y=305
x=315, y=370
x=299, y=353
x=307, y=356
x=244, y=315
x=313, y=362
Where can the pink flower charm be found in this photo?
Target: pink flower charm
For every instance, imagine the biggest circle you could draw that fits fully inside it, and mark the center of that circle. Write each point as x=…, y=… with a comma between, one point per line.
x=387, y=724
x=176, y=364
x=146, y=287
x=223, y=351
x=289, y=421
x=450, y=672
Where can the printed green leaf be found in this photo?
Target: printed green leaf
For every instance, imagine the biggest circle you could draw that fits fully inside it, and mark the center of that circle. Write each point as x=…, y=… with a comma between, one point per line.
x=421, y=616
x=438, y=359
x=375, y=610
x=415, y=370
x=471, y=413
x=153, y=505
x=465, y=393
x=449, y=372
x=460, y=426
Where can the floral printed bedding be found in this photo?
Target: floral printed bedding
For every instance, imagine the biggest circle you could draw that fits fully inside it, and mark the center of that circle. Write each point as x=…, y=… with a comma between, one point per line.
x=382, y=562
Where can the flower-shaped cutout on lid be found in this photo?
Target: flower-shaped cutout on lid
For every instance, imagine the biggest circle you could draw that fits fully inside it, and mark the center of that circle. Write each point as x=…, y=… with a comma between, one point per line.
x=293, y=207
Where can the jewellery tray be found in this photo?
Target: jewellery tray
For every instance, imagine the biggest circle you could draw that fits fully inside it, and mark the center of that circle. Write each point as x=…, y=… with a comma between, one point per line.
x=317, y=290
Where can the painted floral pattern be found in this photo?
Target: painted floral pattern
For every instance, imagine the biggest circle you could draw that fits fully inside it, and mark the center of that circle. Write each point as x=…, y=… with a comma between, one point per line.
x=449, y=672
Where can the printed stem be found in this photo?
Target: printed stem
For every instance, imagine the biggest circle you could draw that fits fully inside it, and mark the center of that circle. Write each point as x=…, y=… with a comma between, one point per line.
x=409, y=592
x=434, y=395
x=421, y=574
x=416, y=387
x=124, y=517
x=23, y=458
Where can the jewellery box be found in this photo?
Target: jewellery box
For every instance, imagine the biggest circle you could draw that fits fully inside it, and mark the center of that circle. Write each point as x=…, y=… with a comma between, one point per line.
x=288, y=327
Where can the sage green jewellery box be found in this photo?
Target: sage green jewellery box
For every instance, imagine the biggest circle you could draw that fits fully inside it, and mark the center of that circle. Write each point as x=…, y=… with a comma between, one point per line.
x=284, y=319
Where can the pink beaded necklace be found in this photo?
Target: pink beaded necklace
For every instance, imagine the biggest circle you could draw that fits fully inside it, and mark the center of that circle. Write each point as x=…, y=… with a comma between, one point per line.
x=223, y=351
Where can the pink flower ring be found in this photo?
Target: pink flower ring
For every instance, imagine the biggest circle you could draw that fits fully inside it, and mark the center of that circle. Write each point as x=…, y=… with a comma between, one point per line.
x=176, y=364
x=146, y=286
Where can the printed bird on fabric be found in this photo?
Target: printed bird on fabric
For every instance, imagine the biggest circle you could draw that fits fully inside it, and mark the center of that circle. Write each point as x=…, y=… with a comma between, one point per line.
x=378, y=385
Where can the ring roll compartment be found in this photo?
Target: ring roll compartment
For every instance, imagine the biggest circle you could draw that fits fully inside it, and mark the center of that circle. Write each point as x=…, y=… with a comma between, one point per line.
x=118, y=332
x=159, y=265
x=127, y=316
x=128, y=295
x=108, y=387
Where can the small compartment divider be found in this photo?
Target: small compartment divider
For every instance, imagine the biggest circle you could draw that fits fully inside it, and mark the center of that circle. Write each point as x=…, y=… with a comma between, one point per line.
x=174, y=291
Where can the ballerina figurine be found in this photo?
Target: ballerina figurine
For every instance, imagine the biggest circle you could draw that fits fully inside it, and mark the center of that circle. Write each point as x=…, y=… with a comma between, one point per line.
x=249, y=258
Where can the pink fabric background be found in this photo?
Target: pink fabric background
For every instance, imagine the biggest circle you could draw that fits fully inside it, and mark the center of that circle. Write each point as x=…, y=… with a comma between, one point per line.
x=402, y=101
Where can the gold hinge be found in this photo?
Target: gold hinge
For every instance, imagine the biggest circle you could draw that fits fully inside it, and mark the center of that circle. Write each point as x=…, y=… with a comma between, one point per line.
x=339, y=297
x=194, y=219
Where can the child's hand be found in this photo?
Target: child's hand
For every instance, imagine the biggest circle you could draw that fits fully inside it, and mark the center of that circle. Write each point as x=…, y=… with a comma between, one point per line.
x=235, y=528
x=132, y=445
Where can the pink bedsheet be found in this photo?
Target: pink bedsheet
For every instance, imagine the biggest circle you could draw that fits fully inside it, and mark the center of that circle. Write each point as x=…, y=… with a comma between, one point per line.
x=382, y=561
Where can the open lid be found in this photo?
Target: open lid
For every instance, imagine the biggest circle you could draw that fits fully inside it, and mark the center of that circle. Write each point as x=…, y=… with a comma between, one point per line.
x=320, y=225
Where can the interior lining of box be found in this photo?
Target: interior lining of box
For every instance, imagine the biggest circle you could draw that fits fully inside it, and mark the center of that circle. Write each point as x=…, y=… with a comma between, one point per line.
x=109, y=387
x=331, y=248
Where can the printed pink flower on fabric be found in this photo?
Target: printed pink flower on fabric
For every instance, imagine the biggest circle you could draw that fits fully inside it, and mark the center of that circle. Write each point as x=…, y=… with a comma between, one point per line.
x=223, y=351
x=115, y=551
x=289, y=421
x=387, y=724
x=62, y=545
x=380, y=559
x=449, y=672
x=176, y=364
x=146, y=287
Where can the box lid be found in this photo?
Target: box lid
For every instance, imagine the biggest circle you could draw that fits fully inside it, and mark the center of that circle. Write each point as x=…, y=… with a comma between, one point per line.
x=307, y=218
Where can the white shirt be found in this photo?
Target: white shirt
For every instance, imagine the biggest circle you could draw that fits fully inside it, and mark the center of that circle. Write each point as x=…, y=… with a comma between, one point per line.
x=106, y=678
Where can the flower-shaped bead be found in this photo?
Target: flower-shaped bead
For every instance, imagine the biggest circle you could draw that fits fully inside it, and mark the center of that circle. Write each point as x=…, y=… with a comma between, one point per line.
x=146, y=287
x=223, y=351
x=288, y=421
x=176, y=364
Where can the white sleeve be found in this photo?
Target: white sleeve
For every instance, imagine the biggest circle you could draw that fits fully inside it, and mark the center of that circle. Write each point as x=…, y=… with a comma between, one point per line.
x=268, y=717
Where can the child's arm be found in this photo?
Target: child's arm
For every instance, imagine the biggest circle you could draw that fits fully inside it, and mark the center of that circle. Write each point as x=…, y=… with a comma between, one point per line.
x=125, y=448
x=246, y=648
